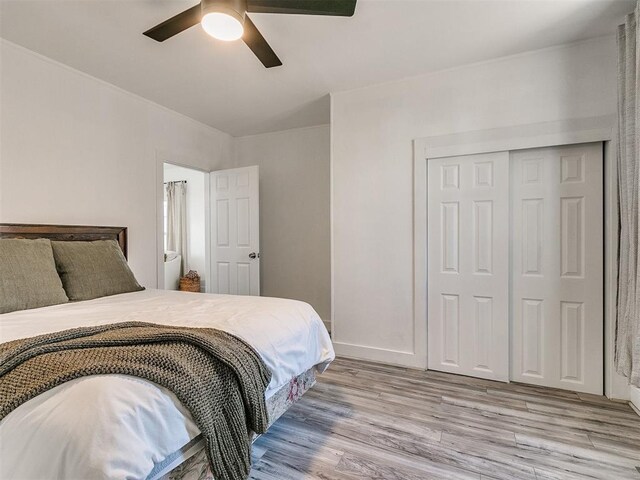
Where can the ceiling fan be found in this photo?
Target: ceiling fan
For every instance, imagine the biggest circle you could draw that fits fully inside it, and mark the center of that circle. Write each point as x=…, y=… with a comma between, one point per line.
x=227, y=20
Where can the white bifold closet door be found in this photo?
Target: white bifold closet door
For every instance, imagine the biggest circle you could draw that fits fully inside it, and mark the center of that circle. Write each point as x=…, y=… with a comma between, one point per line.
x=557, y=267
x=468, y=266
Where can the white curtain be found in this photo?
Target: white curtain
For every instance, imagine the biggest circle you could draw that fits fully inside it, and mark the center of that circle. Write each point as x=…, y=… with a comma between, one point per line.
x=177, y=221
x=628, y=309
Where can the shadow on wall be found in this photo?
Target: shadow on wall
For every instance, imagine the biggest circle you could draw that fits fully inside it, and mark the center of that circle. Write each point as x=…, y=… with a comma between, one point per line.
x=582, y=21
x=316, y=112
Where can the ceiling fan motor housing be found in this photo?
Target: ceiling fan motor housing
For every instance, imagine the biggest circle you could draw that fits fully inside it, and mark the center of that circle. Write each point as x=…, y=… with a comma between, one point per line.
x=234, y=8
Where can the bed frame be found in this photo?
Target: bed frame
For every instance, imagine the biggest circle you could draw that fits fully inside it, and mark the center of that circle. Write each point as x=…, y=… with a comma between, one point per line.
x=65, y=233
x=192, y=464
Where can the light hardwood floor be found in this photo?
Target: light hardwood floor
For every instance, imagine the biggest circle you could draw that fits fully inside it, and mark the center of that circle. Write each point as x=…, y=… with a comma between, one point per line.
x=369, y=421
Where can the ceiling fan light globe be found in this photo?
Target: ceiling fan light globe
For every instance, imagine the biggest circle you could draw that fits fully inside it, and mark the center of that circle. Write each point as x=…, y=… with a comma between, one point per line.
x=222, y=26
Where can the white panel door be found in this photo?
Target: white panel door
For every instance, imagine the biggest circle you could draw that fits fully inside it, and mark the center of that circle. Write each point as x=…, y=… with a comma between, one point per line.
x=235, y=235
x=557, y=267
x=468, y=265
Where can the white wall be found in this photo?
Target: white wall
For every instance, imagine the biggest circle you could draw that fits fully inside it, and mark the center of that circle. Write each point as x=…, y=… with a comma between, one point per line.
x=196, y=215
x=294, y=213
x=76, y=150
x=372, y=131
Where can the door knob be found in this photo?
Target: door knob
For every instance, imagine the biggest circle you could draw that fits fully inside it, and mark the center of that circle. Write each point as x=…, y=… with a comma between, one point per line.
x=253, y=255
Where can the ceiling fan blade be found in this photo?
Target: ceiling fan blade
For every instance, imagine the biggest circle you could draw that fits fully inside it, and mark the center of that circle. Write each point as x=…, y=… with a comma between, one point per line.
x=175, y=25
x=258, y=45
x=341, y=8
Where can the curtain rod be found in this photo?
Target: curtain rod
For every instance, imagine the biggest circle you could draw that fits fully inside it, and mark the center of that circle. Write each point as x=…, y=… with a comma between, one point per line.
x=177, y=181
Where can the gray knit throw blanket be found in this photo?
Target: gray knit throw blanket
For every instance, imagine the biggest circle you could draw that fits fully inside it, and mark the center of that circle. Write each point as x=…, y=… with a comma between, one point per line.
x=218, y=377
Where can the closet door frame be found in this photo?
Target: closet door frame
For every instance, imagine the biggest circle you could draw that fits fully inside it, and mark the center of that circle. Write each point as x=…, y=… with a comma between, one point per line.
x=569, y=132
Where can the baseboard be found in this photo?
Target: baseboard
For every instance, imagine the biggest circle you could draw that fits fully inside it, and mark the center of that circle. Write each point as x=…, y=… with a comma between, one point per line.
x=380, y=355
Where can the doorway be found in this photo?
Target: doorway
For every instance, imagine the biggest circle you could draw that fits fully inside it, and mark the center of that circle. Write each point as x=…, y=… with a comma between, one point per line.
x=185, y=199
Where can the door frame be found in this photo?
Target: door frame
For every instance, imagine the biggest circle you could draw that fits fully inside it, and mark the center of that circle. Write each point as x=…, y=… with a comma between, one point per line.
x=566, y=132
x=178, y=160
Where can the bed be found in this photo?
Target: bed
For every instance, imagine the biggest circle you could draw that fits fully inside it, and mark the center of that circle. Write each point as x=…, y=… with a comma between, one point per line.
x=117, y=426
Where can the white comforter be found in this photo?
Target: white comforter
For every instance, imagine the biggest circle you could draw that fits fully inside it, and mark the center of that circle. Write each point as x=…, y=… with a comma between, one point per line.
x=116, y=426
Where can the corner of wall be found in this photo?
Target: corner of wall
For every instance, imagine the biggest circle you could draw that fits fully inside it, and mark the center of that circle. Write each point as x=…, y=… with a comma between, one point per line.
x=331, y=246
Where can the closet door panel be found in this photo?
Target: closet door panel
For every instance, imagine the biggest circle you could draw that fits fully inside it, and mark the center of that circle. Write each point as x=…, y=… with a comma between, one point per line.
x=557, y=267
x=468, y=273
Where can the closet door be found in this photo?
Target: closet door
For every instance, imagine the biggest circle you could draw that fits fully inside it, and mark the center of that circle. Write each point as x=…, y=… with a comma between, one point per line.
x=557, y=267
x=468, y=265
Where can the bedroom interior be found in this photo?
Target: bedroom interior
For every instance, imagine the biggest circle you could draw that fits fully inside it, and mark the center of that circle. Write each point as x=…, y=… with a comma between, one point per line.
x=414, y=225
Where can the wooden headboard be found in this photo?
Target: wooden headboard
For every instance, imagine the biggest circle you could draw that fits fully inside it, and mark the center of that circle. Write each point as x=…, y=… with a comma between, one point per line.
x=66, y=233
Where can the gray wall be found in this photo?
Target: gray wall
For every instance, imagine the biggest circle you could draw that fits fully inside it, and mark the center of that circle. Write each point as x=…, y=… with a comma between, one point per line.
x=294, y=213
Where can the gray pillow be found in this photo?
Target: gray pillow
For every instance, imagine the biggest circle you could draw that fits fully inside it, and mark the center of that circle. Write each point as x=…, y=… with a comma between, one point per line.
x=28, y=277
x=93, y=269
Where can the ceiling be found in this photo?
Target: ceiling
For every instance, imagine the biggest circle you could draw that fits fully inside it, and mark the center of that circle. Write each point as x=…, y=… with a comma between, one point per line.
x=225, y=86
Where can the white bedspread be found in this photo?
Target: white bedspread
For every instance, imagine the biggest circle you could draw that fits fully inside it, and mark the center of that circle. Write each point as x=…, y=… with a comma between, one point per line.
x=116, y=426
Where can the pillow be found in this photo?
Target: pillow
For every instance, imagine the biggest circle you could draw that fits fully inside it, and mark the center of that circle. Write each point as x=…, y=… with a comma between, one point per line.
x=28, y=277
x=93, y=269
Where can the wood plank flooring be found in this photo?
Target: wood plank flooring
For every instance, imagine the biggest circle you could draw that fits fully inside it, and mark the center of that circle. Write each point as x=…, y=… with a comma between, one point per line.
x=370, y=421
